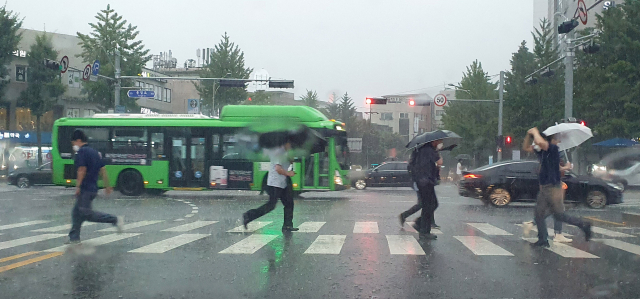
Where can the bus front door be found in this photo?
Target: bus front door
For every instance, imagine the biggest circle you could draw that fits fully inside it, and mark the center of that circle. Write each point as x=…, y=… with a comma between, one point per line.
x=187, y=164
x=316, y=168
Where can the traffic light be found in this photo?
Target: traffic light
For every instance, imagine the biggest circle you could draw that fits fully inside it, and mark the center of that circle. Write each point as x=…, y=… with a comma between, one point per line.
x=592, y=48
x=412, y=102
x=531, y=80
x=232, y=83
x=52, y=64
x=582, y=122
x=280, y=83
x=507, y=140
x=567, y=26
x=376, y=101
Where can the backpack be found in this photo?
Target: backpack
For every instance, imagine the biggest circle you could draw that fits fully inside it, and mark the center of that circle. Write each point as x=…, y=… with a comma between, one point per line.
x=411, y=166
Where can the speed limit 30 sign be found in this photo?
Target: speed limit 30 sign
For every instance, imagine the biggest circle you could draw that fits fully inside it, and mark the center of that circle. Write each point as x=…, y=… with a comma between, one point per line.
x=440, y=100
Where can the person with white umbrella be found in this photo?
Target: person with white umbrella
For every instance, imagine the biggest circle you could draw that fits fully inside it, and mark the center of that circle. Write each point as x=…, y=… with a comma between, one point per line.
x=551, y=196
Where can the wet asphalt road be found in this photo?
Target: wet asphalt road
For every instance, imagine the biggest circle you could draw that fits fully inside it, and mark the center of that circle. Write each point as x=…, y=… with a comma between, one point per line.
x=179, y=246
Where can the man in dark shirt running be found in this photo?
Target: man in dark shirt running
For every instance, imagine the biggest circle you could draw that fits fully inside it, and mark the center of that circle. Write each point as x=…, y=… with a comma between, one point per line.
x=89, y=166
x=551, y=196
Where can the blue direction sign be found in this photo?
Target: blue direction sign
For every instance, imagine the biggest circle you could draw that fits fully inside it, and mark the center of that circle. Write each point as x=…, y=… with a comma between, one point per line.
x=141, y=93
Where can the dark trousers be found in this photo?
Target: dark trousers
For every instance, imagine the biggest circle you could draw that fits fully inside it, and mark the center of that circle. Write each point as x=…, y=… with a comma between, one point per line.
x=551, y=202
x=275, y=193
x=427, y=203
x=82, y=212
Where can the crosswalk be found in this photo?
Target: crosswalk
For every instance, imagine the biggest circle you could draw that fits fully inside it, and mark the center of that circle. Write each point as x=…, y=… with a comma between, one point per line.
x=476, y=238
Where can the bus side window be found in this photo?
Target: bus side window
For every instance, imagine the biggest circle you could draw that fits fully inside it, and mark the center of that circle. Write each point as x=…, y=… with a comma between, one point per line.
x=157, y=146
x=98, y=138
x=129, y=140
x=215, y=146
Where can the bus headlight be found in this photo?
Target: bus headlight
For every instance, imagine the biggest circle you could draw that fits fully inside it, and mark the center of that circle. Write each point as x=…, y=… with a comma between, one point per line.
x=337, y=178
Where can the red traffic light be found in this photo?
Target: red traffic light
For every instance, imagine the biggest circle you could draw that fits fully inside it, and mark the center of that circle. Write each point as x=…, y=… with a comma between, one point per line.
x=584, y=123
x=368, y=101
x=507, y=140
x=412, y=102
x=376, y=101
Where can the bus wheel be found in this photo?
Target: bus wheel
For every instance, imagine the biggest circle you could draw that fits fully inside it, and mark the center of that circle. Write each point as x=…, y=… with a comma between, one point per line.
x=130, y=183
x=156, y=191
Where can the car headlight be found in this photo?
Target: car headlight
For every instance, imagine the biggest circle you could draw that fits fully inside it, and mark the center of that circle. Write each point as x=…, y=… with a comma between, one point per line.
x=13, y=173
x=618, y=187
x=337, y=178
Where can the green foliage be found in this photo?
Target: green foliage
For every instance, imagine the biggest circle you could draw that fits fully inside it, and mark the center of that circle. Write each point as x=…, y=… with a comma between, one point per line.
x=227, y=60
x=332, y=111
x=259, y=97
x=112, y=32
x=347, y=110
x=475, y=122
x=9, y=39
x=310, y=99
x=607, y=83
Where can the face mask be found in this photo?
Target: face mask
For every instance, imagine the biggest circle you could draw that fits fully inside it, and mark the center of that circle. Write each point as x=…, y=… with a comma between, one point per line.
x=76, y=148
x=439, y=146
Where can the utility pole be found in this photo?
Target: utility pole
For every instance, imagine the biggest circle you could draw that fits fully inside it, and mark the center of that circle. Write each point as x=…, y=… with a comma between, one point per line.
x=118, y=80
x=568, y=78
x=501, y=100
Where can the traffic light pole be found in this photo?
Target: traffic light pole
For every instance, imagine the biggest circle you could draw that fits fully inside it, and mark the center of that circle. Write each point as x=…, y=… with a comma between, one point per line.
x=568, y=79
x=501, y=100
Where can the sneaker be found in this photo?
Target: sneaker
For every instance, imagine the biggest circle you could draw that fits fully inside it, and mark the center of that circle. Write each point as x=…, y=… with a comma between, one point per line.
x=435, y=226
x=402, y=220
x=290, y=229
x=72, y=242
x=587, y=232
x=428, y=236
x=245, y=220
x=543, y=244
x=561, y=238
x=527, y=227
x=120, y=224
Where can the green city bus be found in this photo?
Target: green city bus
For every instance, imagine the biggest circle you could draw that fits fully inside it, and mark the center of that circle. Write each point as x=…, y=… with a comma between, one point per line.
x=157, y=153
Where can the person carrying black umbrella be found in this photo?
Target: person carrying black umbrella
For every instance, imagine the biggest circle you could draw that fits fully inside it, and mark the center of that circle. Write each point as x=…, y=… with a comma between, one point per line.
x=425, y=172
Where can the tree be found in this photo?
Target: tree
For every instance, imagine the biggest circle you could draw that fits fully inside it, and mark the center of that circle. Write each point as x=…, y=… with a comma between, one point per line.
x=259, y=97
x=226, y=61
x=9, y=39
x=310, y=99
x=476, y=122
x=607, y=83
x=347, y=110
x=112, y=32
x=44, y=84
x=332, y=111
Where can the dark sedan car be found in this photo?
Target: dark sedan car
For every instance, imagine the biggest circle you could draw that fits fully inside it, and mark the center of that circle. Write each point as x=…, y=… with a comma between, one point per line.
x=502, y=183
x=388, y=174
x=28, y=176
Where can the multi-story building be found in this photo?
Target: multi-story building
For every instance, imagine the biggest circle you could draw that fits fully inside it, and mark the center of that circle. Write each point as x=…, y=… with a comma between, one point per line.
x=402, y=118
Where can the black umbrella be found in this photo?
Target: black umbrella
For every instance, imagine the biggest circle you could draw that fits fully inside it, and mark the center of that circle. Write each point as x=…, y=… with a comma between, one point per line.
x=449, y=138
x=463, y=157
x=300, y=137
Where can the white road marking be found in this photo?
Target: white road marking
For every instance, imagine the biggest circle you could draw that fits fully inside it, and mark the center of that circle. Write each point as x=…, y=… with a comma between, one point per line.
x=565, y=250
x=404, y=244
x=132, y=225
x=106, y=239
x=179, y=219
x=366, y=228
x=434, y=231
x=194, y=212
x=29, y=240
x=489, y=229
x=171, y=243
x=21, y=224
x=551, y=232
x=628, y=247
x=327, y=244
x=59, y=228
x=250, y=244
x=482, y=246
x=608, y=233
x=189, y=226
x=194, y=208
x=189, y=215
x=252, y=227
x=310, y=227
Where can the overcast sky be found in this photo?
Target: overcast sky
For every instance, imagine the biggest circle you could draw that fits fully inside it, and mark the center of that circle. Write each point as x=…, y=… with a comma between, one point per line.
x=364, y=47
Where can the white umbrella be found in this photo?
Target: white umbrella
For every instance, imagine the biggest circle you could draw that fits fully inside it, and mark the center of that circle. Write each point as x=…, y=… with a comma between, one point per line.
x=569, y=134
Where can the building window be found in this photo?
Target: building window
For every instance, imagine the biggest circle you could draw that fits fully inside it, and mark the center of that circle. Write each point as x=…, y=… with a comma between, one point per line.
x=25, y=121
x=21, y=73
x=167, y=95
x=404, y=115
x=420, y=116
x=439, y=112
x=386, y=116
x=88, y=113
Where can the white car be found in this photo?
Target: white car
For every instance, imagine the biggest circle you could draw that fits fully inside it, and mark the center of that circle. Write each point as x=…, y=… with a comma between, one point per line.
x=624, y=171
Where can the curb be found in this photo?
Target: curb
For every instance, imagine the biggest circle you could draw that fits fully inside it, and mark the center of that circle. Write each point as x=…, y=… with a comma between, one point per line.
x=631, y=217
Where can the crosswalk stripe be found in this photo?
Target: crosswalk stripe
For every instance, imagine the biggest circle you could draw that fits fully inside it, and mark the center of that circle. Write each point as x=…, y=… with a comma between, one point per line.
x=310, y=227
x=171, y=243
x=489, y=229
x=106, y=239
x=15, y=225
x=482, y=246
x=550, y=231
x=366, y=228
x=29, y=240
x=189, y=226
x=628, y=247
x=132, y=225
x=435, y=231
x=59, y=228
x=327, y=244
x=252, y=227
x=404, y=244
x=608, y=233
x=565, y=250
x=250, y=244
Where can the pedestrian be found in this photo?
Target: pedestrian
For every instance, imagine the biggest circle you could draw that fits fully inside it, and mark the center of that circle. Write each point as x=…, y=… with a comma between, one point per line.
x=459, y=171
x=89, y=167
x=279, y=186
x=551, y=195
x=424, y=170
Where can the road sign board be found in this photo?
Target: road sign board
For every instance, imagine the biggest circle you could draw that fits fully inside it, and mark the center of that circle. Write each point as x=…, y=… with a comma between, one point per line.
x=582, y=12
x=440, y=100
x=96, y=67
x=64, y=64
x=141, y=94
x=86, y=73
